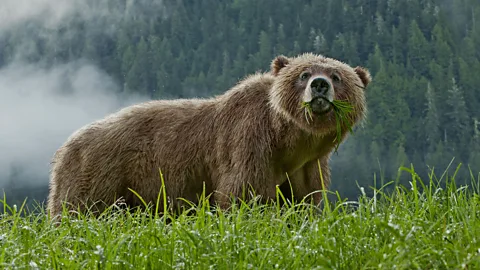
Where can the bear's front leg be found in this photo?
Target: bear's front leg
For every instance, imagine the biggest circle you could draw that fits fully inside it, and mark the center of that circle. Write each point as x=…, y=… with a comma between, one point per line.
x=245, y=183
x=306, y=183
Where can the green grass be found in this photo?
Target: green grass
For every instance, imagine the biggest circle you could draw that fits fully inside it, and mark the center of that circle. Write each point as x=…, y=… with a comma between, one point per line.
x=431, y=226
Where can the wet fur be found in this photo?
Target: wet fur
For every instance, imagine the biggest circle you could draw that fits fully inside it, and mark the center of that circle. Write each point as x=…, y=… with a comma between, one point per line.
x=252, y=135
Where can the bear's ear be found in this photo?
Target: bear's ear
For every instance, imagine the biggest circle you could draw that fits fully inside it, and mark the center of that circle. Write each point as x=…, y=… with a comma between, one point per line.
x=278, y=63
x=364, y=75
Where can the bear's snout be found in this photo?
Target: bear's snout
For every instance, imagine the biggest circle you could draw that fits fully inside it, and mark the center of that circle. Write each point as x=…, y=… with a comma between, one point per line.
x=320, y=87
x=319, y=94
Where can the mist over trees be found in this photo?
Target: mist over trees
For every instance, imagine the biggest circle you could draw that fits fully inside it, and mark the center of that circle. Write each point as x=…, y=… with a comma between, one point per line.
x=424, y=100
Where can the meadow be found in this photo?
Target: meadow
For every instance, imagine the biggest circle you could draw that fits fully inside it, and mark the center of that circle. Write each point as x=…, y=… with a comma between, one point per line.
x=430, y=224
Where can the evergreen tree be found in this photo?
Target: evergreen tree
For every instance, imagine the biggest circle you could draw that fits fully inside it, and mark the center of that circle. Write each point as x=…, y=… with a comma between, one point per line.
x=459, y=128
x=265, y=49
x=320, y=44
x=418, y=49
x=280, y=48
x=474, y=158
x=137, y=79
x=225, y=80
x=442, y=52
x=431, y=121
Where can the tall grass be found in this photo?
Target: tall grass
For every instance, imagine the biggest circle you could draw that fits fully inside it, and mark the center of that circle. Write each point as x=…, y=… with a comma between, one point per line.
x=432, y=224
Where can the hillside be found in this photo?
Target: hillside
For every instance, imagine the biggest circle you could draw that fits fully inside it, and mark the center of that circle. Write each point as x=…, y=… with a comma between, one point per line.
x=424, y=101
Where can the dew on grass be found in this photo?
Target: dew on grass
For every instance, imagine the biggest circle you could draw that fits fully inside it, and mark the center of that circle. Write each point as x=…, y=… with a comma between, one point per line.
x=411, y=232
x=394, y=226
x=99, y=250
x=33, y=265
x=297, y=237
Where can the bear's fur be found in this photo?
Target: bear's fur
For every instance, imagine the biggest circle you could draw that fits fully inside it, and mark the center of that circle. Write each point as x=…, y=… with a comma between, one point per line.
x=253, y=135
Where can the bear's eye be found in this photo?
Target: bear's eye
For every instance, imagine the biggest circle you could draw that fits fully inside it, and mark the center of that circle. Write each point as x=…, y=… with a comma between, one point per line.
x=336, y=78
x=305, y=75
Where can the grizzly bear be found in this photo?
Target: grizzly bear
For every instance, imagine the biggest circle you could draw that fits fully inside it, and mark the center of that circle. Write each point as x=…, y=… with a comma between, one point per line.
x=254, y=136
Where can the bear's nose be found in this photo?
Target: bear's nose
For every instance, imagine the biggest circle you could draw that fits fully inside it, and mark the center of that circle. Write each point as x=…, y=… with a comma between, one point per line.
x=320, y=86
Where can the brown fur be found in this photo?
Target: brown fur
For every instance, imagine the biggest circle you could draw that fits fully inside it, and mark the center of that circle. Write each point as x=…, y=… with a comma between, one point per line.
x=254, y=134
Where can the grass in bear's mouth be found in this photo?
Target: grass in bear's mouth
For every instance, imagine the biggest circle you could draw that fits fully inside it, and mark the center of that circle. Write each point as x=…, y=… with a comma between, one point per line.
x=342, y=110
x=308, y=110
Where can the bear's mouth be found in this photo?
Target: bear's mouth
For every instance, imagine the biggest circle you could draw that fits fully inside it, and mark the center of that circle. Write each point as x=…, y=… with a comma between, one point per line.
x=320, y=105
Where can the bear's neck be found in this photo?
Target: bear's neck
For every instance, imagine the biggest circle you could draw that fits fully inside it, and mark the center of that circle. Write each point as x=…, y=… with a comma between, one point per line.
x=294, y=147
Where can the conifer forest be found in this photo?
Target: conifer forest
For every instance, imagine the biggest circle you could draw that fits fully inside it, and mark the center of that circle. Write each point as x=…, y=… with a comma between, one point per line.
x=424, y=57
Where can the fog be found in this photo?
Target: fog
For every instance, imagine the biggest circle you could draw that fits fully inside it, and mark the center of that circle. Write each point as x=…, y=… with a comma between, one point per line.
x=41, y=106
x=52, y=13
x=49, y=12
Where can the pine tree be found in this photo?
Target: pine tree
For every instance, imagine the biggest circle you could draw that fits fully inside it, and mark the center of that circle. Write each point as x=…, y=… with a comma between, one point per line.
x=377, y=158
x=474, y=158
x=469, y=81
x=128, y=58
x=442, y=52
x=459, y=123
x=162, y=82
x=398, y=47
x=280, y=46
x=431, y=121
x=138, y=76
x=400, y=156
x=296, y=48
x=239, y=62
x=418, y=49
x=320, y=44
x=265, y=50
x=224, y=80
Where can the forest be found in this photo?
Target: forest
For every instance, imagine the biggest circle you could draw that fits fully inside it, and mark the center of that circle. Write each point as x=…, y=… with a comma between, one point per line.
x=424, y=56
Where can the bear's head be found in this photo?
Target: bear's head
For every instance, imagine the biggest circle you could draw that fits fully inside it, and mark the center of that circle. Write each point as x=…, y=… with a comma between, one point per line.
x=317, y=81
